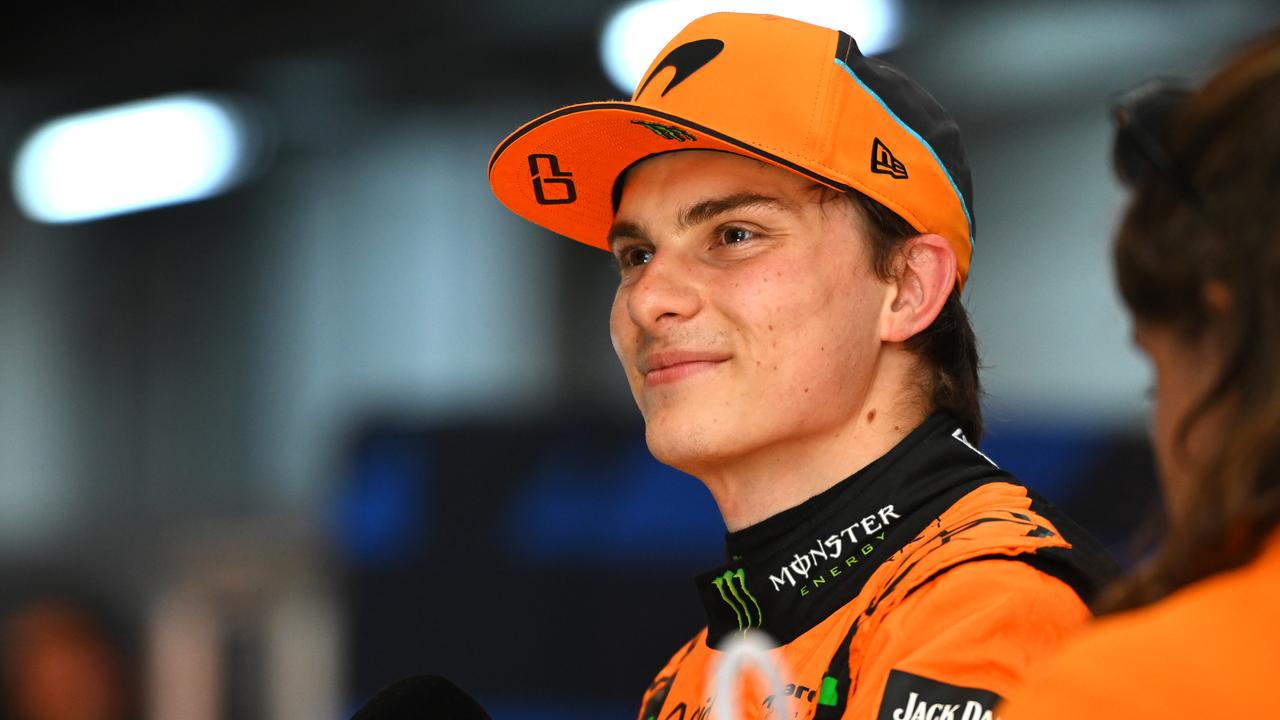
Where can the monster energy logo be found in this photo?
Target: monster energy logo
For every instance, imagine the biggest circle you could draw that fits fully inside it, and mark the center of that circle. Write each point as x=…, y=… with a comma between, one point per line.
x=667, y=132
x=736, y=595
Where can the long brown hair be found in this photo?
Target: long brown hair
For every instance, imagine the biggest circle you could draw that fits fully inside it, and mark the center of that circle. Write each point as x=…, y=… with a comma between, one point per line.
x=1225, y=139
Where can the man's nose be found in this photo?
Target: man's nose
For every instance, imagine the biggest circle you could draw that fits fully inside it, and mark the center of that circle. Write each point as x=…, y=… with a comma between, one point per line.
x=666, y=292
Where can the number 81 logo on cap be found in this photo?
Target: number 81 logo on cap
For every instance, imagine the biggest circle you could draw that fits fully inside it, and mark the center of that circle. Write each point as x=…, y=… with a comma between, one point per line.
x=553, y=176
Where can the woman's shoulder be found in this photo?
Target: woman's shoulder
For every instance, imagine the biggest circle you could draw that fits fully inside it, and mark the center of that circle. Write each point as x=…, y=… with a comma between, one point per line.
x=1212, y=646
x=1242, y=598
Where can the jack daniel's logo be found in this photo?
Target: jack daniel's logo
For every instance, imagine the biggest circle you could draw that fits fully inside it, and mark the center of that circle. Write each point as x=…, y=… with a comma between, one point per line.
x=914, y=697
x=919, y=708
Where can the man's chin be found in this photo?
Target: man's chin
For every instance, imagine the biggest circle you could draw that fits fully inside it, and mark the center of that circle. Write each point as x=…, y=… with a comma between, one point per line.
x=685, y=446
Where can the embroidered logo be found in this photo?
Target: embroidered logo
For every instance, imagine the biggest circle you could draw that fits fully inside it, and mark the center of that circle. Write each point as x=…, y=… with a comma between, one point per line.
x=545, y=172
x=686, y=59
x=884, y=163
x=668, y=132
x=820, y=560
x=732, y=586
x=914, y=697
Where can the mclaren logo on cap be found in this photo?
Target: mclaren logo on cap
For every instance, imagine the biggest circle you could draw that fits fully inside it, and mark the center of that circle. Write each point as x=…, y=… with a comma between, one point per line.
x=884, y=163
x=687, y=59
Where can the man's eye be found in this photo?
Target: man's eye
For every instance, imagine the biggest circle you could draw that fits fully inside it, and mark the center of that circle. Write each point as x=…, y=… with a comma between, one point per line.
x=634, y=256
x=735, y=235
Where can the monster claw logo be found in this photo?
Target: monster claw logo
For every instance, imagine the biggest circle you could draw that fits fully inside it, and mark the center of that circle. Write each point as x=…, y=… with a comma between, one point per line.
x=733, y=590
x=668, y=132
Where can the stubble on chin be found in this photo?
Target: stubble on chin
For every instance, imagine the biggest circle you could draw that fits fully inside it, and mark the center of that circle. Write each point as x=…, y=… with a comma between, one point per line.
x=681, y=446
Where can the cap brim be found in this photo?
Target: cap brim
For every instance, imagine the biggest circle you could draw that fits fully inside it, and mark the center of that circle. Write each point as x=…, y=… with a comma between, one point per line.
x=559, y=169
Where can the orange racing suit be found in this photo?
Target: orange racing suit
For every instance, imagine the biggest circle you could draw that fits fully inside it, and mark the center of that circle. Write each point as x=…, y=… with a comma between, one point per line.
x=920, y=588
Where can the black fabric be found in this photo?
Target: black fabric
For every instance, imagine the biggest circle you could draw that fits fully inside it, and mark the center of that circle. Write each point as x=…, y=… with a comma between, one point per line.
x=838, y=671
x=422, y=697
x=793, y=570
x=1087, y=567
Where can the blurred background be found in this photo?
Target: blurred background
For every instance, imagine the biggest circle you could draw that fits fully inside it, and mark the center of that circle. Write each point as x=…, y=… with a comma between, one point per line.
x=290, y=407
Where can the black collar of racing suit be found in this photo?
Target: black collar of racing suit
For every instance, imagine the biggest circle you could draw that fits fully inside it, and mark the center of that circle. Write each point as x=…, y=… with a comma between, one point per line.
x=791, y=571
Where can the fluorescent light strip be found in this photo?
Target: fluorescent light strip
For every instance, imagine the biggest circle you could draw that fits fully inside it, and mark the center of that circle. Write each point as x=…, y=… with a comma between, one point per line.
x=130, y=157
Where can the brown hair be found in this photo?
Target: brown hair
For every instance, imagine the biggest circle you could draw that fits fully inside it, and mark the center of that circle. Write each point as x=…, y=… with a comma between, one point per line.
x=1225, y=138
x=948, y=346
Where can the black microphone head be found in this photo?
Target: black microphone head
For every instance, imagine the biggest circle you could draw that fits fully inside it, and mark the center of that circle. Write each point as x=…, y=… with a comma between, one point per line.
x=422, y=697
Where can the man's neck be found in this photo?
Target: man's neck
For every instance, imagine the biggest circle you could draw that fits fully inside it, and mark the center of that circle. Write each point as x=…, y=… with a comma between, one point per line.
x=757, y=486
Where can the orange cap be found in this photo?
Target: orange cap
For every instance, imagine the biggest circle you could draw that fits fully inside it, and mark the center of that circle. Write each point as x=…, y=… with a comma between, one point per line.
x=795, y=95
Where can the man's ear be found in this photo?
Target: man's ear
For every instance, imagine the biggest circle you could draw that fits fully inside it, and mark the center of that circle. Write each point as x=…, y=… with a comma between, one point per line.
x=926, y=275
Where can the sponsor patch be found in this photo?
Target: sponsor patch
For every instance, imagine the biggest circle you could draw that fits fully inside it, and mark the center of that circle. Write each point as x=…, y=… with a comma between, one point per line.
x=826, y=551
x=912, y=697
x=667, y=132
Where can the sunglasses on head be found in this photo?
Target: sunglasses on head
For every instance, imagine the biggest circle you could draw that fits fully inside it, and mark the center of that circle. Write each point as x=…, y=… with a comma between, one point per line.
x=1140, y=151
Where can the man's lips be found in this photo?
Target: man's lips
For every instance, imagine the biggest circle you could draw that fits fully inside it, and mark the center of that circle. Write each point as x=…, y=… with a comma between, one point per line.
x=672, y=365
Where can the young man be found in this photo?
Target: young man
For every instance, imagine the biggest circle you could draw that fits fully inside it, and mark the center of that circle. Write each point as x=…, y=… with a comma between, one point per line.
x=788, y=318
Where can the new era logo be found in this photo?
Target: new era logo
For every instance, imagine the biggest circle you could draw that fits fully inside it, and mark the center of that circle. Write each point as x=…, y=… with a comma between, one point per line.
x=884, y=163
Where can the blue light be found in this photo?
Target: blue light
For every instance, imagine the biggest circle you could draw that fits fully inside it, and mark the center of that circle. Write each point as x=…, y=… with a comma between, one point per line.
x=130, y=157
x=635, y=34
x=583, y=508
x=381, y=516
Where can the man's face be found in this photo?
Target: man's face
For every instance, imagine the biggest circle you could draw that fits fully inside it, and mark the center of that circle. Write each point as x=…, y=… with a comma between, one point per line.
x=747, y=316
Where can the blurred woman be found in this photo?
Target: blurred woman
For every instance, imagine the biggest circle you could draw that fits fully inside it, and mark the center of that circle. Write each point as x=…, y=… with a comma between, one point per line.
x=1197, y=632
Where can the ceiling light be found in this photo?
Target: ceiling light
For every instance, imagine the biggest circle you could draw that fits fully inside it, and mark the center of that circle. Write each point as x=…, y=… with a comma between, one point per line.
x=635, y=34
x=130, y=157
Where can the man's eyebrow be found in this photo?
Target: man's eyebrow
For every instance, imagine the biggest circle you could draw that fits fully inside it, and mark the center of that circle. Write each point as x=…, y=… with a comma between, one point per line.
x=705, y=210
x=701, y=212
x=625, y=229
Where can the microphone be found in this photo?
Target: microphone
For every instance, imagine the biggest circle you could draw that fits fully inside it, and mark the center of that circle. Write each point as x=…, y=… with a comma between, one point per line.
x=422, y=697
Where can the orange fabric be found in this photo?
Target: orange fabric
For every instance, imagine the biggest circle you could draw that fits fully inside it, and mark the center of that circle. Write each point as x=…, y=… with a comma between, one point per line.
x=982, y=624
x=775, y=91
x=952, y=606
x=1211, y=650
